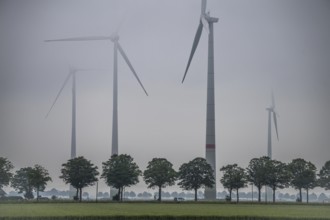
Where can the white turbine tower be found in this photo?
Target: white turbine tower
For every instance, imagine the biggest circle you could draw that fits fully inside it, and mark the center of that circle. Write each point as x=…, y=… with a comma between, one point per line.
x=72, y=74
x=207, y=21
x=114, y=38
x=271, y=111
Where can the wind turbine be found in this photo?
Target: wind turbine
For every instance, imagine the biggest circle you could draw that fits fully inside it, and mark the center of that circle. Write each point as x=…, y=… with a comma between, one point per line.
x=271, y=111
x=207, y=21
x=117, y=47
x=71, y=74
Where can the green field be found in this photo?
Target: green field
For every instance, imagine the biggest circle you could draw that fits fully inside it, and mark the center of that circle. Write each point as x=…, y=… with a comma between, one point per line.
x=101, y=210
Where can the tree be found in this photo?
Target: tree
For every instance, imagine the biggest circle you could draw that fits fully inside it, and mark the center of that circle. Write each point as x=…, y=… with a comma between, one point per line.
x=322, y=197
x=196, y=174
x=313, y=197
x=106, y=195
x=132, y=194
x=324, y=176
x=21, y=182
x=278, y=176
x=174, y=194
x=159, y=173
x=39, y=177
x=182, y=195
x=126, y=194
x=31, y=178
x=5, y=174
x=120, y=171
x=303, y=175
x=100, y=194
x=257, y=173
x=234, y=177
x=79, y=172
x=85, y=194
x=166, y=194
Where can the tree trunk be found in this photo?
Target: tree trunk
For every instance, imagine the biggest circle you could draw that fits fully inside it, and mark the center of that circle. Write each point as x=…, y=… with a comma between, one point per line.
x=80, y=194
x=230, y=194
x=307, y=196
x=159, y=193
x=77, y=194
x=300, y=195
x=237, y=196
x=119, y=194
x=259, y=193
x=37, y=194
x=195, y=194
x=274, y=194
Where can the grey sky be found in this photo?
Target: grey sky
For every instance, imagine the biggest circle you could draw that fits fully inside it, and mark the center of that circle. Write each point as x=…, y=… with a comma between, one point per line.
x=259, y=45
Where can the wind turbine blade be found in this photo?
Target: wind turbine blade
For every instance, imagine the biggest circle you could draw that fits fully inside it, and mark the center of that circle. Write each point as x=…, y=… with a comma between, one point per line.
x=81, y=39
x=203, y=7
x=59, y=93
x=85, y=70
x=130, y=66
x=275, y=123
x=194, y=46
x=205, y=24
x=276, y=113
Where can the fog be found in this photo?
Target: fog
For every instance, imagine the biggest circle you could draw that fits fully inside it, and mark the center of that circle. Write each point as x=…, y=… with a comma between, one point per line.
x=259, y=46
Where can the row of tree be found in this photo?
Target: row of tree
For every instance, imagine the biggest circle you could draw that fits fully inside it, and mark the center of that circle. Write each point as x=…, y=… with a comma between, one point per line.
x=263, y=171
x=120, y=171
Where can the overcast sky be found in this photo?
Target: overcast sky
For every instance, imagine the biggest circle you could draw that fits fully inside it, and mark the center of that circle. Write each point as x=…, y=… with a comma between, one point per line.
x=259, y=45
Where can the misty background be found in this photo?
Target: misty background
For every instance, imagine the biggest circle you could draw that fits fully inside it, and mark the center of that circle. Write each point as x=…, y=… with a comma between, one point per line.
x=259, y=45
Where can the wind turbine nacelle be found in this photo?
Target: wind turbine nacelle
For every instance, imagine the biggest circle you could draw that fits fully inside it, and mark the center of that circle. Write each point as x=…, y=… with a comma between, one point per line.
x=211, y=19
x=114, y=37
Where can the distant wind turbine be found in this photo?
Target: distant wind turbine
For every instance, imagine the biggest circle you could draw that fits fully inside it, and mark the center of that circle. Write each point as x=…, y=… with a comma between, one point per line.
x=271, y=111
x=72, y=74
x=117, y=47
x=207, y=21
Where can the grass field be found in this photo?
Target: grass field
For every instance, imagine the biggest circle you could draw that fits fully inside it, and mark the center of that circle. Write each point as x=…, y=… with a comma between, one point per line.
x=280, y=211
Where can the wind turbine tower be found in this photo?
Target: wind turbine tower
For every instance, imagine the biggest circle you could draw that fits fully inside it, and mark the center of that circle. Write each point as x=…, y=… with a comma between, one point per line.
x=72, y=74
x=117, y=47
x=271, y=111
x=207, y=21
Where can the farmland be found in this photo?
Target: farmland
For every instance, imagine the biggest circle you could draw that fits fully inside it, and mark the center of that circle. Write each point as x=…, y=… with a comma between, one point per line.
x=183, y=210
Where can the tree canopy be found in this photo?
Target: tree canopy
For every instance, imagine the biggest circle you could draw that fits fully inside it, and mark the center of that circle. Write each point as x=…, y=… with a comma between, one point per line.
x=21, y=182
x=234, y=177
x=159, y=173
x=28, y=179
x=278, y=175
x=257, y=173
x=5, y=175
x=195, y=174
x=303, y=175
x=120, y=171
x=39, y=177
x=79, y=172
x=324, y=176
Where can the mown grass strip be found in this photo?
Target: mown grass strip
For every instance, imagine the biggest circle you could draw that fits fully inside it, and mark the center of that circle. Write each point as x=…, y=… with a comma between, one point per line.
x=158, y=218
x=161, y=211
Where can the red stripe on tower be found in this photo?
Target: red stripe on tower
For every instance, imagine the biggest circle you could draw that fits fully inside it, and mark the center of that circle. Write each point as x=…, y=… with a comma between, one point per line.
x=210, y=146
